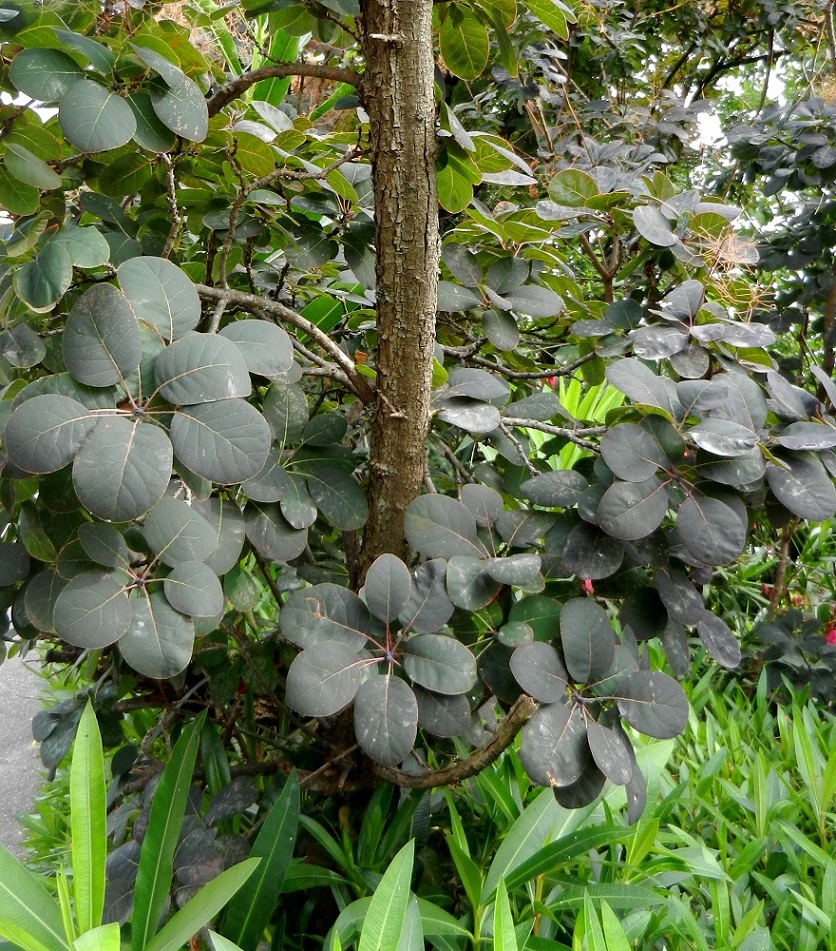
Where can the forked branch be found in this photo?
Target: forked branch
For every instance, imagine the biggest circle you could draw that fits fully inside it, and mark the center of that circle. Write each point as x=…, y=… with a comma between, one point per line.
x=236, y=87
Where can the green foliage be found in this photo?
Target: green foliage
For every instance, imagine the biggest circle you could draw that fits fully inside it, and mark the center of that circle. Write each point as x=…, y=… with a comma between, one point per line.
x=33, y=920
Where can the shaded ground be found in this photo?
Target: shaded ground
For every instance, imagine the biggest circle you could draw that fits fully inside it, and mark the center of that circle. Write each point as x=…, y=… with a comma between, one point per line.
x=20, y=767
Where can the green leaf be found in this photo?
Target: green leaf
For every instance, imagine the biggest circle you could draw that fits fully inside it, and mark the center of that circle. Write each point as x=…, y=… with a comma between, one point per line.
x=587, y=640
x=226, y=441
x=266, y=348
x=442, y=715
x=557, y=855
x=631, y=452
x=86, y=247
x=88, y=816
x=201, y=368
x=17, y=198
x=250, y=914
x=156, y=859
x=93, y=610
x=339, y=498
x=652, y=225
x=388, y=587
x=552, y=14
x=102, y=938
x=44, y=280
x=28, y=168
x=572, y=187
x=464, y=42
x=101, y=341
x=439, y=663
x=193, y=588
x=128, y=174
x=227, y=523
x=182, y=109
x=386, y=719
x=22, y=347
x=41, y=594
x=94, y=119
x=653, y=703
x=176, y=532
x=150, y=133
x=200, y=910
x=159, y=640
x=504, y=936
x=455, y=193
x=324, y=678
x=387, y=912
x=170, y=73
x=96, y=54
x=45, y=75
x=123, y=468
x=718, y=639
x=44, y=433
x=29, y=916
x=609, y=753
x=161, y=294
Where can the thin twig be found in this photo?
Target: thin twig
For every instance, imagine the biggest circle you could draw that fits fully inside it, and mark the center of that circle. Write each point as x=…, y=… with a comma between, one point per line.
x=517, y=717
x=255, y=304
x=171, y=202
x=505, y=429
x=575, y=436
x=235, y=87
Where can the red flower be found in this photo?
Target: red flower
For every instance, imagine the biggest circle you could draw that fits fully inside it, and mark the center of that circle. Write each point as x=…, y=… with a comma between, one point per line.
x=830, y=635
x=587, y=586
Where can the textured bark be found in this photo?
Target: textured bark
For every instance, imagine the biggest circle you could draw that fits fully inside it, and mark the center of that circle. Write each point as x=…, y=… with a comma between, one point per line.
x=398, y=96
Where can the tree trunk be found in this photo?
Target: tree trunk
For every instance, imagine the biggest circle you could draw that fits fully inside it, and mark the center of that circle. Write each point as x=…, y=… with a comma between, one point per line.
x=398, y=96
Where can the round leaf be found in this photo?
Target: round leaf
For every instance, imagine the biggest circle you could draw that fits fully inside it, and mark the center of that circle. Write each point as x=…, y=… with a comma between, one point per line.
x=323, y=679
x=45, y=432
x=272, y=483
x=464, y=42
x=14, y=563
x=94, y=119
x=711, y=530
x=44, y=280
x=438, y=526
x=633, y=510
x=327, y=613
x=339, y=498
x=440, y=715
x=631, y=452
x=161, y=294
x=609, y=752
x=553, y=746
x=265, y=347
x=469, y=586
x=101, y=341
x=104, y=544
x=41, y=594
x=226, y=441
x=428, y=607
x=159, y=640
x=271, y=534
x=386, y=719
x=587, y=639
x=182, y=108
x=176, y=532
x=227, y=523
x=719, y=640
x=193, y=588
x=557, y=489
x=92, y=611
x=201, y=368
x=539, y=670
x=388, y=587
x=45, y=75
x=653, y=703
x=439, y=663
x=123, y=468
x=803, y=487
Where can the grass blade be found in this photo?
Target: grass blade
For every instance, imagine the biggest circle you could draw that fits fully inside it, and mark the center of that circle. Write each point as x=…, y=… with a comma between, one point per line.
x=88, y=816
x=249, y=915
x=153, y=878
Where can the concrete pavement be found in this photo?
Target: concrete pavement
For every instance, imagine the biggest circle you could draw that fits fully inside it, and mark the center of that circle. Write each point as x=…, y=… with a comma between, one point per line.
x=21, y=773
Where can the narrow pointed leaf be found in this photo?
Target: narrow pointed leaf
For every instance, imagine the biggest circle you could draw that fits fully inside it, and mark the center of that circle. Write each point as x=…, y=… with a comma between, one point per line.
x=88, y=818
x=29, y=916
x=386, y=915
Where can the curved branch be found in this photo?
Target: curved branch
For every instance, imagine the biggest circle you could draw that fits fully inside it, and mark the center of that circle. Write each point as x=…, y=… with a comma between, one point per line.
x=235, y=87
x=253, y=303
x=517, y=717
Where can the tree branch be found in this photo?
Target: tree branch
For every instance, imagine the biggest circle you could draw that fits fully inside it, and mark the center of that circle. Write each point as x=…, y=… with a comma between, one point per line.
x=235, y=87
x=517, y=717
x=253, y=303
